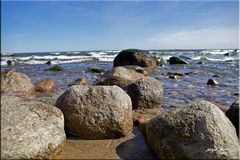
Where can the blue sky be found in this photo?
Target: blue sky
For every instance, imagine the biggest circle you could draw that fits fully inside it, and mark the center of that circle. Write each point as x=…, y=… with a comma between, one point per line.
x=91, y=25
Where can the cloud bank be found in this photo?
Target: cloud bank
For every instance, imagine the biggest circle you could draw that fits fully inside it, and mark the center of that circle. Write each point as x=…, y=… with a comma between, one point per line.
x=212, y=37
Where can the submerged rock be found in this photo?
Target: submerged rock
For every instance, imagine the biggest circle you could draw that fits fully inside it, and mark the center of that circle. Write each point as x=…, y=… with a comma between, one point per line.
x=174, y=77
x=119, y=76
x=30, y=129
x=135, y=57
x=96, y=69
x=96, y=112
x=233, y=115
x=146, y=92
x=212, y=82
x=176, y=60
x=49, y=62
x=197, y=131
x=54, y=68
x=16, y=82
x=45, y=85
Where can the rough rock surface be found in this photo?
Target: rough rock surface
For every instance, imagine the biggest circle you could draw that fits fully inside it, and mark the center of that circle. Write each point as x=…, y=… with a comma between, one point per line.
x=197, y=131
x=135, y=57
x=16, y=82
x=119, y=76
x=30, y=129
x=96, y=112
x=233, y=115
x=146, y=92
x=45, y=85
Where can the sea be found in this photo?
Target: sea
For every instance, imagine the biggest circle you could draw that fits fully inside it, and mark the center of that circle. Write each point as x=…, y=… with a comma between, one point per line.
x=219, y=64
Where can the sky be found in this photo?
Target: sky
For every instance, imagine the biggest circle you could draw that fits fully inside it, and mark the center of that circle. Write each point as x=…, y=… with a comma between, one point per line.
x=28, y=26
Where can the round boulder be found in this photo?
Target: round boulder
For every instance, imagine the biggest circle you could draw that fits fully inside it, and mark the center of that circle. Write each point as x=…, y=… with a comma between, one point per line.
x=135, y=57
x=197, y=131
x=119, y=76
x=16, y=82
x=30, y=129
x=146, y=92
x=45, y=85
x=96, y=112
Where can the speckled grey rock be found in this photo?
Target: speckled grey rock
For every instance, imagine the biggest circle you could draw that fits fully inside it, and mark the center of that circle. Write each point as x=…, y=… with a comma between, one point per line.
x=30, y=129
x=197, y=131
x=96, y=112
x=16, y=82
x=146, y=92
x=119, y=76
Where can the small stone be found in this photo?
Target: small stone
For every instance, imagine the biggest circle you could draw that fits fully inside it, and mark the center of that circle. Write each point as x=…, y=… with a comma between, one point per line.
x=45, y=85
x=11, y=63
x=212, y=82
x=80, y=81
x=176, y=60
x=174, y=77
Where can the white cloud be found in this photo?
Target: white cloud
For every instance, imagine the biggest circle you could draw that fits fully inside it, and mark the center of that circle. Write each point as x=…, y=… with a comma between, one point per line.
x=212, y=37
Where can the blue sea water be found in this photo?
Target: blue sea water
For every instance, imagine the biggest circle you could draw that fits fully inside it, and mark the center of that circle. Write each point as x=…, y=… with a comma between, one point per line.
x=223, y=63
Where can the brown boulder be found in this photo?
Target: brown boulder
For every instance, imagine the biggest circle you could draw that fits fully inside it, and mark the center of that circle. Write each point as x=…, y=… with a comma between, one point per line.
x=135, y=57
x=16, y=82
x=45, y=85
x=119, y=76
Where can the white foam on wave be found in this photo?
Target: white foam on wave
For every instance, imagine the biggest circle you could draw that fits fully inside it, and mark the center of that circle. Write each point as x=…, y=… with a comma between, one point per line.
x=217, y=51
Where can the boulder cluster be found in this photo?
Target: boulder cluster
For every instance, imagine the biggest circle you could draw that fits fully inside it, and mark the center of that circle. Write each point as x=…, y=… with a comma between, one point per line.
x=31, y=129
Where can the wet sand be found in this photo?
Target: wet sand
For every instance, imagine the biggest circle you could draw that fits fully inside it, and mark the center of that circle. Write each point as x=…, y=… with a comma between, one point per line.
x=132, y=146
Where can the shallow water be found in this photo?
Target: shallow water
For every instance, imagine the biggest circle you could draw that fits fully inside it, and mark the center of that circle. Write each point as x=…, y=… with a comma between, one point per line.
x=223, y=63
x=176, y=92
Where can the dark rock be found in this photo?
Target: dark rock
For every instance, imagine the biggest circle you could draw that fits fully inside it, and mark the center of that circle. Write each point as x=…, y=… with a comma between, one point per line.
x=146, y=92
x=45, y=85
x=175, y=73
x=233, y=115
x=236, y=94
x=176, y=60
x=216, y=76
x=49, y=62
x=174, y=77
x=119, y=76
x=199, y=130
x=96, y=112
x=212, y=82
x=30, y=129
x=96, y=69
x=54, y=68
x=135, y=57
x=11, y=62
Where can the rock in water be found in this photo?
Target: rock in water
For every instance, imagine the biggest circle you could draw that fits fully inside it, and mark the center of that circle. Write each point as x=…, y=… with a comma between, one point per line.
x=45, y=85
x=233, y=115
x=212, y=82
x=146, y=92
x=176, y=60
x=135, y=57
x=96, y=112
x=197, y=131
x=16, y=82
x=96, y=69
x=54, y=68
x=120, y=76
x=30, y=129
x=80, y=81
x=11, y=62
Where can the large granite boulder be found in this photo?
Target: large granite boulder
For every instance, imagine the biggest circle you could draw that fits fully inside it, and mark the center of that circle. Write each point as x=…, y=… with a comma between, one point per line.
x=45, y=85
x=119, y=76
x=198, y=131
x=233, y=115
x=135, y=57
x=146, y=92
x=16, y=82
x=96, y=112
x=30, y=129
